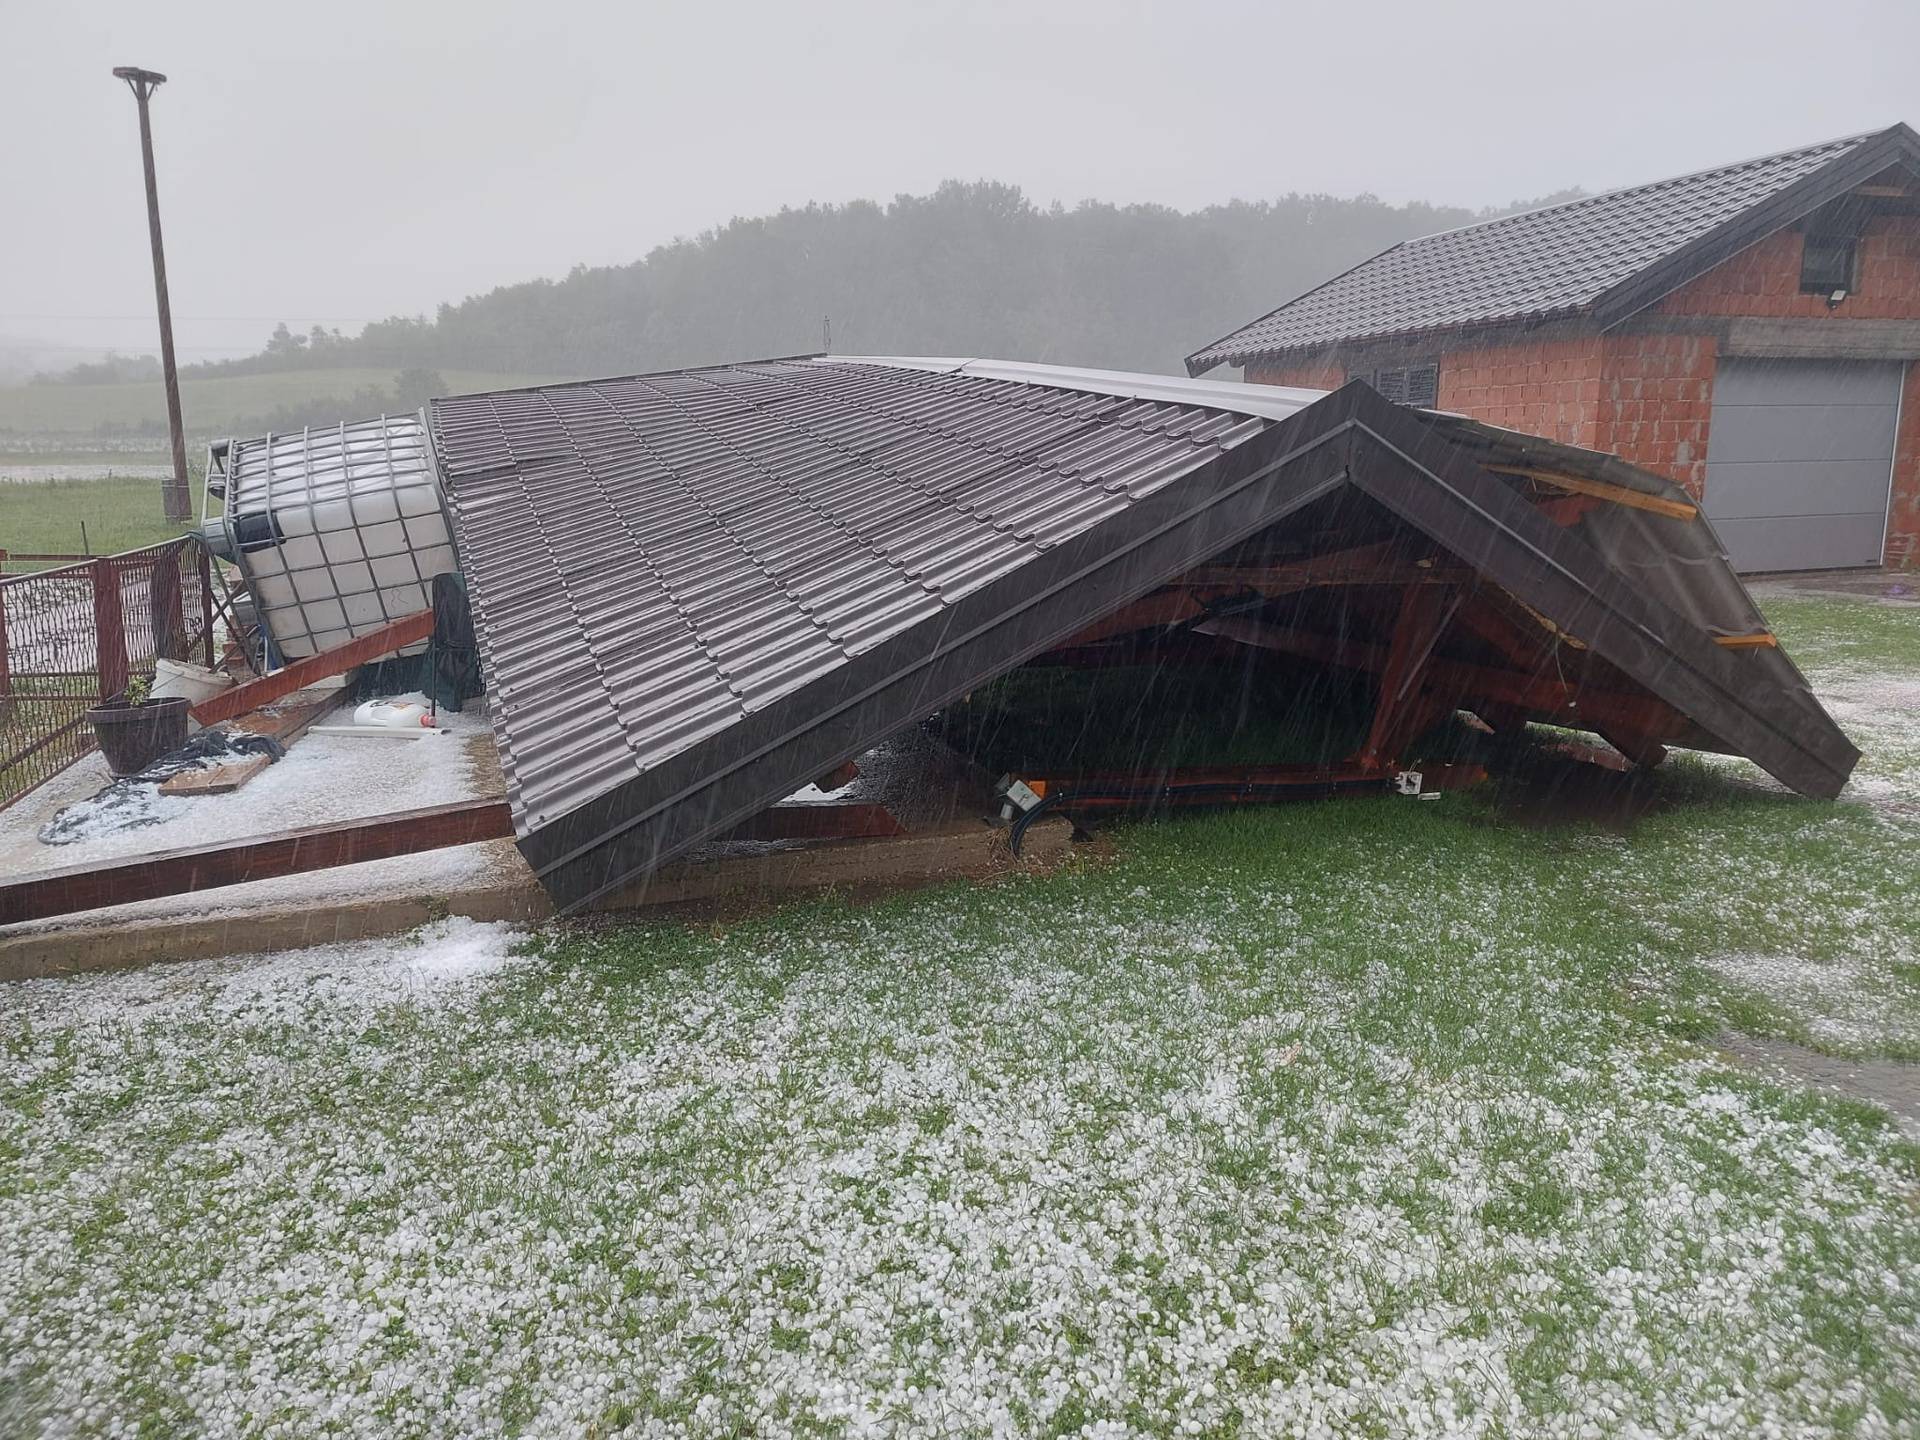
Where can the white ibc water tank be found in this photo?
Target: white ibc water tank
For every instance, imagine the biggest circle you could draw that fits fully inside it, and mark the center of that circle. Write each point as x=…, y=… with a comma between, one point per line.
x=338, y=530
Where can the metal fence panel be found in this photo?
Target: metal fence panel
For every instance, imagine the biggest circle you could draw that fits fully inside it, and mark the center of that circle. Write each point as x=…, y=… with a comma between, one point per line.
x=73, y=636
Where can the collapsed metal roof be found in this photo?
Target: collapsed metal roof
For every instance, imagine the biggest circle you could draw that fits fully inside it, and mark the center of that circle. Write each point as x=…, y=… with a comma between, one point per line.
x=696, y=591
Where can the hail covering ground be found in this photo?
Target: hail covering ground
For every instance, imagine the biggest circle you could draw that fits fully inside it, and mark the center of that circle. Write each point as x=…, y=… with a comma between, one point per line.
x=1373, y=1117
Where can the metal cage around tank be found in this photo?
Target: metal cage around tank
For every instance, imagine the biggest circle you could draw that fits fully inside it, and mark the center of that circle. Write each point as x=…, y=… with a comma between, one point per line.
x=338, y=530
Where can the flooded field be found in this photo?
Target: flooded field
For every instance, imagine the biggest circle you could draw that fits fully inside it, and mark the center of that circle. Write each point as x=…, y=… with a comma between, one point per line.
x=105, y=468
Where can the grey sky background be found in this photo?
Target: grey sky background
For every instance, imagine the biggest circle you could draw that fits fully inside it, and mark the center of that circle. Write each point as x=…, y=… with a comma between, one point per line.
x=340, y=162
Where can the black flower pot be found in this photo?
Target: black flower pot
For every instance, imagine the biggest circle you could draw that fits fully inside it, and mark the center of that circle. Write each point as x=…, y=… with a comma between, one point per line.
x=132, y=737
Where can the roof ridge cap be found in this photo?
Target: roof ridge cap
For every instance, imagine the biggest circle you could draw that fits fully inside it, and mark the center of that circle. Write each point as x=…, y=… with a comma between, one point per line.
x=1850, y=140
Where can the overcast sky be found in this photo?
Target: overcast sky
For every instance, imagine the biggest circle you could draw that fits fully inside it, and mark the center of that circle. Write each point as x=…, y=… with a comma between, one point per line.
x=341, y=161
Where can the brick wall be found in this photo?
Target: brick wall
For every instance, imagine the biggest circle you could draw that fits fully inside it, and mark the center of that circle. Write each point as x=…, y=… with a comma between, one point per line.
x=1548, y=387
x=1764, y=279
x=1541, y=387
x=1656, y=403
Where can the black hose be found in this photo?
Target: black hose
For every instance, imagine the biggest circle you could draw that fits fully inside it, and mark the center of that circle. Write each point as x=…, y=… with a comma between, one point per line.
x=1026, y=818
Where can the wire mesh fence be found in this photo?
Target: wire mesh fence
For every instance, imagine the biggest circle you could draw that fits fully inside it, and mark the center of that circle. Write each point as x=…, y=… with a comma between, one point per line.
x=75, y=635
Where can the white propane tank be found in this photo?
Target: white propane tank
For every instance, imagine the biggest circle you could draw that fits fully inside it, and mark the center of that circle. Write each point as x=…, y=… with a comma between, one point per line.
x=338, y=530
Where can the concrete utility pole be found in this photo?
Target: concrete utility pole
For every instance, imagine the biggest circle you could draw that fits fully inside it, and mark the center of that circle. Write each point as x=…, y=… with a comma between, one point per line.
x=178, y=504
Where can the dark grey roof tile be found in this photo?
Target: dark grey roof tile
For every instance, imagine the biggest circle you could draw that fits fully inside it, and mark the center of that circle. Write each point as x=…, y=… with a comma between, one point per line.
x=1535, y=265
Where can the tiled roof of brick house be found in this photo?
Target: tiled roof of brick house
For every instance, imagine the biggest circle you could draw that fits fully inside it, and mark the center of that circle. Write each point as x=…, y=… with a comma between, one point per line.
x=1591, y=256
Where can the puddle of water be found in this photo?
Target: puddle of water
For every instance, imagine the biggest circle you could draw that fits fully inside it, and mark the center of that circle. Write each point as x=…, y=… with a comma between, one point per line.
x=18, y=473
x=1893, y=1085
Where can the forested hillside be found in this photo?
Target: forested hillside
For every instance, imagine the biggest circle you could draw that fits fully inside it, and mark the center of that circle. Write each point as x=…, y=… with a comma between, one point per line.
x=972, y=269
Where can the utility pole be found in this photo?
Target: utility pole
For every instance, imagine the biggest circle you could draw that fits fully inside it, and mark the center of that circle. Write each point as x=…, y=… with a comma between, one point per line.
x=178, y=505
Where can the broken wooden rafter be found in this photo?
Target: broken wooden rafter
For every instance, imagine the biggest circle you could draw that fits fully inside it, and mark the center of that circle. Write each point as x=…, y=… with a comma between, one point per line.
x=1403, y=709
x=1602, y=490
x=1524, y=645
x=283, y=682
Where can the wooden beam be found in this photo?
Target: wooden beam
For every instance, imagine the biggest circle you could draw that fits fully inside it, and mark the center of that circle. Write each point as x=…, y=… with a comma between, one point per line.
x=1601, y=490
x=1759, y=640
x=1154, y=611
x=1402, y=710
x=1644, y=751
x=1084, y=792
x=854, y=821
x=1525, y=645
x=1547, y=696
x=288, y=852
x=1381, y=563
x=302, y=673
x=192, y=869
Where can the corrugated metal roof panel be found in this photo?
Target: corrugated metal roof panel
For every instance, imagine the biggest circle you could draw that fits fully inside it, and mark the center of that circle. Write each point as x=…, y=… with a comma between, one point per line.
x=680, y=551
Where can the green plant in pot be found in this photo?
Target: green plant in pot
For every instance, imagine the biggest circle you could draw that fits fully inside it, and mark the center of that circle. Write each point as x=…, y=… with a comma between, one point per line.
x=135, y=729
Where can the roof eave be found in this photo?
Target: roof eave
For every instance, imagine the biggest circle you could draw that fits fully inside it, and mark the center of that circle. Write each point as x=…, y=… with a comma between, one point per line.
x=1391, y=337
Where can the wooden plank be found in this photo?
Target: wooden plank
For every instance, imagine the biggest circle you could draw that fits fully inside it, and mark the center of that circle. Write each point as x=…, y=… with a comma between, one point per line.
x=287, y=723
x=1601, y=490
x=289, y=852
x=302, y=673
x=215, y=779
x=1759, y=640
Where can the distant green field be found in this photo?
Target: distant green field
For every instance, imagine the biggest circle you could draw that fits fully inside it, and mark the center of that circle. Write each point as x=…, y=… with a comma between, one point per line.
x=47, y=516
x=208, y=406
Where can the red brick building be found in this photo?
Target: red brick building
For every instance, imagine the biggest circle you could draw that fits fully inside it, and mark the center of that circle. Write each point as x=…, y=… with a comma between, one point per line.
x=1752, y=332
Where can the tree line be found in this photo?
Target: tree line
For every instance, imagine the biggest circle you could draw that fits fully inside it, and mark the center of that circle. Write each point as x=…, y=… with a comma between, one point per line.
x=971, y=269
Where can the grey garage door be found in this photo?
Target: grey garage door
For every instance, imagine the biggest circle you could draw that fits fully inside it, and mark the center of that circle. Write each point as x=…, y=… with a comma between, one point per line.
x=1800, y=461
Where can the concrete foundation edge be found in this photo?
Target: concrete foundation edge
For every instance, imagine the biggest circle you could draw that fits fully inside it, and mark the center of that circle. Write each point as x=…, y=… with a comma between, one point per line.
x=971, y=852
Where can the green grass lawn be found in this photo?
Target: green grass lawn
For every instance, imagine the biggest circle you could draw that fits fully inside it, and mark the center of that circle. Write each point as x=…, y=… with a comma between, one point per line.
x=46, y=516
x=208, y=406
x=1372, y=1117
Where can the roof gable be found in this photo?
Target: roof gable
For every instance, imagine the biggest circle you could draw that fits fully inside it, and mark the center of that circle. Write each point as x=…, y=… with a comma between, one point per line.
x=1605, y=255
